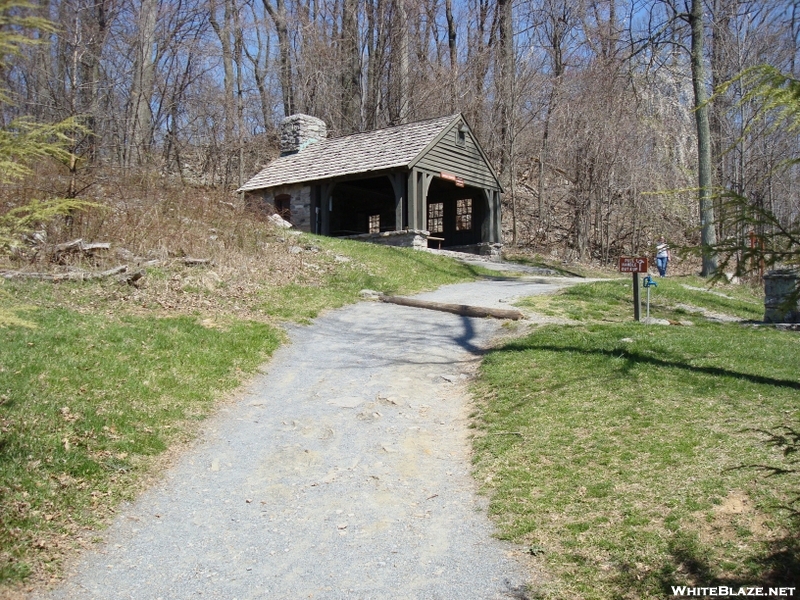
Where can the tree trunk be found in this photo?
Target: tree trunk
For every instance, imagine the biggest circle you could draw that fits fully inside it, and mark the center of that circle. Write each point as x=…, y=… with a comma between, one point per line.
x=505, y=81
x=90, y=74
x=223, y=32
x=278, y=16
x=704, y=163
x=375, y=28
x=261, y=65
x=721, y=71
x=558, y=21
x=478, y=43
x=141, y=115
x=401, y=35
x=453, y=49
x=350, y=66
x=505, y=86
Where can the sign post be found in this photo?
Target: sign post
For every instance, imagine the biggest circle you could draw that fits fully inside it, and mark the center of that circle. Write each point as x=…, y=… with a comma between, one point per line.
x=635, y=265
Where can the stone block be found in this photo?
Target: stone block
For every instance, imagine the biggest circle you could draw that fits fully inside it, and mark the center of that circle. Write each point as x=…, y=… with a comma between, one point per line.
x=779, y=286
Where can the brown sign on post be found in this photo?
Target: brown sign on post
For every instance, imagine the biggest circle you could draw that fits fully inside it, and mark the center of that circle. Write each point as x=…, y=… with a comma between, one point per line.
x=633, y=264
x=459, y=182
x=447, y=176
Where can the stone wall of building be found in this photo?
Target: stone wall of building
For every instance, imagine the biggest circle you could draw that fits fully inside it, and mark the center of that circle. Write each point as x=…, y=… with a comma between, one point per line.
x=301, y=207
x=299, y=203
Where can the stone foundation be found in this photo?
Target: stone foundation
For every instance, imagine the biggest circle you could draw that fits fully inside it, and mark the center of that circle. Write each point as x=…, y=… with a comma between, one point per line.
x=405, y=238
x=418, y=239
x=490, y=249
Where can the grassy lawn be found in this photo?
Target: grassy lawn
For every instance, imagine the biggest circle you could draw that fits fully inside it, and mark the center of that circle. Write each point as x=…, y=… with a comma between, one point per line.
x=623, y=455
x=98, y=380
x=86, y=403
x=678, y=298
x=348, y=267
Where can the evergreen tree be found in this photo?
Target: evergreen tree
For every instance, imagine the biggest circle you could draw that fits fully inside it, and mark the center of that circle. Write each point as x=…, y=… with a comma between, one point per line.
x=23, y=142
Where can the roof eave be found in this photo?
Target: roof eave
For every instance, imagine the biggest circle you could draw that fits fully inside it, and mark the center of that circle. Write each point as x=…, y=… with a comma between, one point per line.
x=343, y=177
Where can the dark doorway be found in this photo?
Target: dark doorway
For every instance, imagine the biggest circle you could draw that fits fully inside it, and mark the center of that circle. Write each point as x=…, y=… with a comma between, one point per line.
x=363, y=206
x=283, y=206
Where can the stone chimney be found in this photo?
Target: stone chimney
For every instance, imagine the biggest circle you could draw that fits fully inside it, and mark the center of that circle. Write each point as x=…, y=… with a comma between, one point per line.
x=298, y=131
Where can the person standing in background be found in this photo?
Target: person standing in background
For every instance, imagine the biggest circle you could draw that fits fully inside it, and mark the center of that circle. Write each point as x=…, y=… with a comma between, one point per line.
x=662, y=256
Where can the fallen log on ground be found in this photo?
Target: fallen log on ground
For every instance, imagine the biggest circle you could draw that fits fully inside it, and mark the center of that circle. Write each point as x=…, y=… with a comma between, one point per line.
x=70, y=276
x=72, y=246
x=458, y=309
x=23, y=275
x=190, y=261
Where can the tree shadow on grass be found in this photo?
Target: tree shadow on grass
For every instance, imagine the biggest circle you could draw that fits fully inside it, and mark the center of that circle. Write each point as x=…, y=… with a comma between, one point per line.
x=637, y=358
x=690, y=564
x=776, y=564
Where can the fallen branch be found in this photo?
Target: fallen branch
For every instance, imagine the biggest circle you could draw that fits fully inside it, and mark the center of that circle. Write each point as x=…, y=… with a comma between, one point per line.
x=79, y=246
x=88, y=275
x=95, y=246
x=71, y=276
x=141, y=261
x=68, y=246
x=23, y=275
x=195, y=262
x=463, y=310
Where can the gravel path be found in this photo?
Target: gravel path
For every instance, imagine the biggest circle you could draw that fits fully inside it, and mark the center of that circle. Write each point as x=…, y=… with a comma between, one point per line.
x=343, y=472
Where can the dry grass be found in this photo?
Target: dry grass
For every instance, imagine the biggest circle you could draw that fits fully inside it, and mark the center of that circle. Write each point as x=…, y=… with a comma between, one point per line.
x=155, y=228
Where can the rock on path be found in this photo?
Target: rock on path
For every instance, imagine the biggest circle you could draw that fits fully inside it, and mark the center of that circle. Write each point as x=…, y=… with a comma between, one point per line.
x=343, y=472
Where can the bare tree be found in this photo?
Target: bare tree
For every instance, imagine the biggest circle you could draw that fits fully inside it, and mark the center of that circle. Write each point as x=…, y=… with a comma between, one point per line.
x=704, y=163
x=279, y=18
x=350, y=69
x=140, y=115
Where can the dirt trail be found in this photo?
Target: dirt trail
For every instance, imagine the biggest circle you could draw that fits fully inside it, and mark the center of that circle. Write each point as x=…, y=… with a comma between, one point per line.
x=343, y=472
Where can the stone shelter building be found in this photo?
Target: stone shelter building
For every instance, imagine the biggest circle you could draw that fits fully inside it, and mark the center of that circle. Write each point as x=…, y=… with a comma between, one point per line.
x=424, y=180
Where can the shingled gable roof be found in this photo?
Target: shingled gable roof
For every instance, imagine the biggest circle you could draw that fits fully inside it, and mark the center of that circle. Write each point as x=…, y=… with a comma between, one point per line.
x=370, y=151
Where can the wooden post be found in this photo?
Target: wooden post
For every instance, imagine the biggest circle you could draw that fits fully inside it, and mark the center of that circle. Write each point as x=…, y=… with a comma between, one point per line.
x=635, y=265
x=423, y=200
x=413, y=209
x=487, y=223
x=498, y=229
x=398, y=181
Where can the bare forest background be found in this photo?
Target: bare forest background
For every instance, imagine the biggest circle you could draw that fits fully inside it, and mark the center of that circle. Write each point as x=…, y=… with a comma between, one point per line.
x=585, y=107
